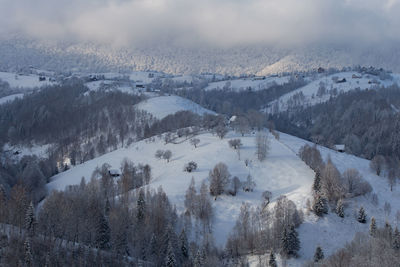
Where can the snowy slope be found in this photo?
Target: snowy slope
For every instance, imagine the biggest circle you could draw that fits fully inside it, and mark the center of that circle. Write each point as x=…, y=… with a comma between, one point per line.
x=332, y=232
x=363, y=81
x=243, y=84
x=23, y=150
x=10, y=98
x=163, y=106
x=282, y=173
x=23, y=81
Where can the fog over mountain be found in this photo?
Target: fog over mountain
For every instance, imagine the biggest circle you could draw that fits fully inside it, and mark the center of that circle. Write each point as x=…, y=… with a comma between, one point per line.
x=186, y=36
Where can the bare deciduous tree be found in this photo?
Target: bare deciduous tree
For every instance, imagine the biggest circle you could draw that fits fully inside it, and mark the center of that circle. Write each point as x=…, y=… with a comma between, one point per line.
x=331, y=185
x=167, y=155
x=219, y=178
x=195, y=142
x=262, y=145
x=377, y=164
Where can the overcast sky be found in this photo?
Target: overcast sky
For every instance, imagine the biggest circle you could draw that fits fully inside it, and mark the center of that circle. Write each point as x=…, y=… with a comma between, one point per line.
x=212, y=22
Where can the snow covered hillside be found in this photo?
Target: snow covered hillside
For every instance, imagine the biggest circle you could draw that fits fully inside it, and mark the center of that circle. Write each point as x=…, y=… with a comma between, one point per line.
x=282, y=173
x=23, y=81
x=163, y=106
x=332, y=232
x=257, y=83
x=326, y=86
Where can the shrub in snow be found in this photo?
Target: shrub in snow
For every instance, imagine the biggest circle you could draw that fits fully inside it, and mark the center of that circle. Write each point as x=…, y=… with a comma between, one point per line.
x=235, y=143
x=354, y=184
x=191, y=166
x=194, y=141
x=159, y=154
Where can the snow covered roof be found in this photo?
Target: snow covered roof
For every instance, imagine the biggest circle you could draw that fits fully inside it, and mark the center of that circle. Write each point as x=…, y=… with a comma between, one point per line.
x=339, y=147
x=233, y=118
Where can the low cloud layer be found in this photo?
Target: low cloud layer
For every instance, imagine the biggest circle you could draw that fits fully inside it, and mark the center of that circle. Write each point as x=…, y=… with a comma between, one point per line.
x=220, y=23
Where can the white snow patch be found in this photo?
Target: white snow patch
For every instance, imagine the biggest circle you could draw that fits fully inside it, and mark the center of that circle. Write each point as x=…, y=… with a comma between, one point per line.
x=24, y=81
x=163, y=106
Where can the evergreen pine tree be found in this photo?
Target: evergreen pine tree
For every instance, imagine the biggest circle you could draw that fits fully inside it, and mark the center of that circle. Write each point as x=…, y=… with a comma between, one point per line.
x=30, y=220
x=153, y=245
x=396, y=239
x=272, y=261
x=340, y=208
x=170, y=260
x=319, y=254
x=362, y=217
x=143, y=253
x=184, y=245
x=317, y=182
x=294, y=241
x=285, y=242
x=28, y=253
x=372, y=227
x=318, y=205
x=102, y=237
x=141, y=207
x=198, y=260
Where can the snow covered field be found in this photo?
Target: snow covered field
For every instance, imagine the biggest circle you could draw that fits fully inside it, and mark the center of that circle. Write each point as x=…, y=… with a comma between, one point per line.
x=23, y=81
x=163, y=106
x=353, y=80
x=282, y=173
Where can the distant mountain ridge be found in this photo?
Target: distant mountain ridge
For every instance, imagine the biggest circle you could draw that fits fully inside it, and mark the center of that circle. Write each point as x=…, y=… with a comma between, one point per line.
x=17, y=53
